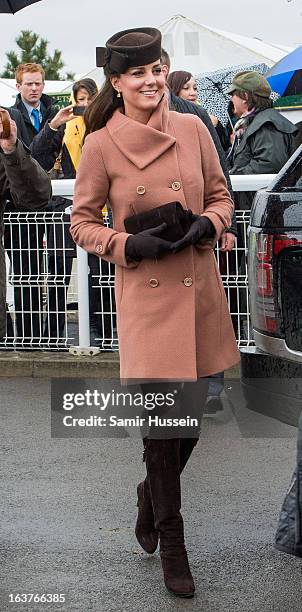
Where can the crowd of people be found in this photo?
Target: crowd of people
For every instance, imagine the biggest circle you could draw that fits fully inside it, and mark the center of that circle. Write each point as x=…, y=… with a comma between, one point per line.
x=55, y=138
x=146, y=149
x=257, y=139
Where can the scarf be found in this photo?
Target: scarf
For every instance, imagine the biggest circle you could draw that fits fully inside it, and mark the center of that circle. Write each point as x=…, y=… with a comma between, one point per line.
x=239, y=128
x=242, y=124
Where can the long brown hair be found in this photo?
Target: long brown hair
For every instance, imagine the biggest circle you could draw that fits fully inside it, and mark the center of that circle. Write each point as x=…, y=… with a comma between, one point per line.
x=177, y=79
x=102, y=107
x=88, y=84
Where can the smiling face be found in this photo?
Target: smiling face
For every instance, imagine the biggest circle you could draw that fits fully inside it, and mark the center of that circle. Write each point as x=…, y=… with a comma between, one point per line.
x=31, y=87
x=189, y=90
x=142, y=88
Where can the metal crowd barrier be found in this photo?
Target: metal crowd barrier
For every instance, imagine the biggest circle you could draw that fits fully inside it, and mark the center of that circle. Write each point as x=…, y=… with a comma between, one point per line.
x=60, y=298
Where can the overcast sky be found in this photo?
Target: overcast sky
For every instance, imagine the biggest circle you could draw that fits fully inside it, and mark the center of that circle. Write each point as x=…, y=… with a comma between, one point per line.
x=77, y=26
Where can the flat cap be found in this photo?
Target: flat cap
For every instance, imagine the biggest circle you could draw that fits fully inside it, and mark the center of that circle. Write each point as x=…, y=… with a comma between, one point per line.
x=252, y=82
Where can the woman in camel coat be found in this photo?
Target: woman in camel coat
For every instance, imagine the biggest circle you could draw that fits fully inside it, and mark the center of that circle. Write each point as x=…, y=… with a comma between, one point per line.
x=172, y=315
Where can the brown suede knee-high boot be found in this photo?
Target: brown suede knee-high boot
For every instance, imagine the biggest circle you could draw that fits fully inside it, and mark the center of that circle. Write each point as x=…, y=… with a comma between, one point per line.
x=145, y=531
x=163, y=475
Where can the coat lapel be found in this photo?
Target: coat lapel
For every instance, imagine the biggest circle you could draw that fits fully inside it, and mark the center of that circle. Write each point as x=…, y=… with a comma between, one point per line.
x=141, y=143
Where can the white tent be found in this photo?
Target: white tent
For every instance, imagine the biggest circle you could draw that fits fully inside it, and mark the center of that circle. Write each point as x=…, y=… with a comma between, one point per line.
x=7, y=92
x=199, y=48
x=97, y=74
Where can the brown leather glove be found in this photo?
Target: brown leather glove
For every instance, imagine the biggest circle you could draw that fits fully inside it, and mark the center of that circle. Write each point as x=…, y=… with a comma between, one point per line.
x=201, y=229
x=147, y=244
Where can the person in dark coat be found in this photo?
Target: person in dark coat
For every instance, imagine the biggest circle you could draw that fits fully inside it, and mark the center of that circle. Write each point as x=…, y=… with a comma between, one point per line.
x=24, y=184
x=225, y=133
x=35, y=106
x=62, y=135
x=183, y=85
x=24, y=243
x=298, y=135
x=59, y=145
x=264, y=139
x=19, y=121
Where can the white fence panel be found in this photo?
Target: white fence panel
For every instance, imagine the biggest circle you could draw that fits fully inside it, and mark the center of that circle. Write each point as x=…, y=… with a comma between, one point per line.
x=60, y=297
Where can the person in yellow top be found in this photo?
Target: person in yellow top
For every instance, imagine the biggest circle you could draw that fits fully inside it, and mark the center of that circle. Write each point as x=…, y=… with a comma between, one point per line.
x=59, y=143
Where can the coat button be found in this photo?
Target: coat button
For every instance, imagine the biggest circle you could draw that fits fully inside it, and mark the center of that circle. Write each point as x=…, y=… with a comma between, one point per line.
x=99, y=248
x=188, y=281
x=176, y=185
x=141, y=189
x=153, y=282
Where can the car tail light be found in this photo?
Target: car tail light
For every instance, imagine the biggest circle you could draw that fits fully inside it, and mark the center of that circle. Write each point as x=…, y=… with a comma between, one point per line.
x=264, y=311
x=264, y=279
x=263, y=292
x=264, y=247
x=282, y=241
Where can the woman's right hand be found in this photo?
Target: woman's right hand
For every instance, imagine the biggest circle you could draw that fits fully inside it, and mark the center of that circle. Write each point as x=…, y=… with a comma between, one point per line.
x=147, y=244
x=63, y=116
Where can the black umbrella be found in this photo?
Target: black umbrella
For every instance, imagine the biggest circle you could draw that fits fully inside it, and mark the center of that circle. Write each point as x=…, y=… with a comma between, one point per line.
x=12, y=6
x=212, y=88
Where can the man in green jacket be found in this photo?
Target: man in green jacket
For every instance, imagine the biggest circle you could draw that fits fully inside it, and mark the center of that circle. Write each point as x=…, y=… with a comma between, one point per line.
x=264, y=139
x=22, y=182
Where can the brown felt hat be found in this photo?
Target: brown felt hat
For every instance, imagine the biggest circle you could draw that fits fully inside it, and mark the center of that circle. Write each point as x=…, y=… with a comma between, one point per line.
x=129, y=48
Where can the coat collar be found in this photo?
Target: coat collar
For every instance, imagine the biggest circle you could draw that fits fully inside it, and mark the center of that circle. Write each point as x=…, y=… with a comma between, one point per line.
x=270, y=115
x=141, y=143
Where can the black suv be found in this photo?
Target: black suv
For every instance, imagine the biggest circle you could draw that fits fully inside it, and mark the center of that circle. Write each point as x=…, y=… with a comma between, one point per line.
x=272, y=370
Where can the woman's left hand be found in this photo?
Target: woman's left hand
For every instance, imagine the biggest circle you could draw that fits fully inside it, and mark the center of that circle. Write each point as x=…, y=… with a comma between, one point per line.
x=201, y=228
x=63, y=116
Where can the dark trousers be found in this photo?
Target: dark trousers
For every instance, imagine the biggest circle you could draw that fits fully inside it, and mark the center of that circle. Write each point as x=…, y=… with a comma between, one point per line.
x=24, y=246
x=58, y=280
x=101, y=300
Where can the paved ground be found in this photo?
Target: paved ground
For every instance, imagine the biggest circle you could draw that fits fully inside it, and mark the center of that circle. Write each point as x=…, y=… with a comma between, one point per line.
x=68, y=510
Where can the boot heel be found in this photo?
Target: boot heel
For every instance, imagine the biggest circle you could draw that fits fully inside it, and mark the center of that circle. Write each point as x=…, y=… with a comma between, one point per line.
x=177, y=575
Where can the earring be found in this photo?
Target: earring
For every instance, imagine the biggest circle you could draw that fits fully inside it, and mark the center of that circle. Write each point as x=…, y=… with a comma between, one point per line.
x=119, y=95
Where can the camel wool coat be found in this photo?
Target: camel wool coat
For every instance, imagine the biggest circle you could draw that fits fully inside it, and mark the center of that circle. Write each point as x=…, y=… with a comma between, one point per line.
x=173, y=321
